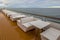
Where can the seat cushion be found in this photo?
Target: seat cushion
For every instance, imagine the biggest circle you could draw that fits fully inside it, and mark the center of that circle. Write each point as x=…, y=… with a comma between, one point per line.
x=27, y=25
x=51, y=34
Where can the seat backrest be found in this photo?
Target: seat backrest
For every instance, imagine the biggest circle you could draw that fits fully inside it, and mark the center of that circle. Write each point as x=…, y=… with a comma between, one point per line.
x=28, y=19
x=13, y=15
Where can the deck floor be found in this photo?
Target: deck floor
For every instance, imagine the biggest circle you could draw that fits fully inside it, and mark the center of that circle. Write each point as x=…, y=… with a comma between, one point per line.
x=10, y=31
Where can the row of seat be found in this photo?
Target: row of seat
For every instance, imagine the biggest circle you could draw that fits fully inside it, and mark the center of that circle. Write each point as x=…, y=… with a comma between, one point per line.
x=28, y=23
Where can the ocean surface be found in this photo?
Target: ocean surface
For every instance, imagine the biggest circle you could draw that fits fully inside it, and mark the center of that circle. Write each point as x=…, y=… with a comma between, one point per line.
x=54, y=12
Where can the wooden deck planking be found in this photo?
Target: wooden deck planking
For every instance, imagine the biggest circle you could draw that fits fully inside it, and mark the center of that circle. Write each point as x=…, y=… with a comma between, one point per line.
x=10, y=31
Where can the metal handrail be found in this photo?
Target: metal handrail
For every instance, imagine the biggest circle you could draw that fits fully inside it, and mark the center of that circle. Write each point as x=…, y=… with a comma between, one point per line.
x=45, y=16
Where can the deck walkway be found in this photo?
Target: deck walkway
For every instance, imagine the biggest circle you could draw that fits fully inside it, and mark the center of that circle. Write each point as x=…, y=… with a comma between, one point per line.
x=10, y=31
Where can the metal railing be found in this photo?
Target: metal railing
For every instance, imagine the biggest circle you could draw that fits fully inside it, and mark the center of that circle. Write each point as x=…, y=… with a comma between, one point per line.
x=44, y=18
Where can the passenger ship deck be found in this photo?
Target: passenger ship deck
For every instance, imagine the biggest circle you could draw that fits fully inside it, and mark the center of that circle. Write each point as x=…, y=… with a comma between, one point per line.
x=10, y=31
